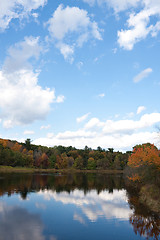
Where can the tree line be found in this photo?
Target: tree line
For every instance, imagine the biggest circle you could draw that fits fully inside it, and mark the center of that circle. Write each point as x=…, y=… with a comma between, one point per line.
x=13, y=153
x=141, y=164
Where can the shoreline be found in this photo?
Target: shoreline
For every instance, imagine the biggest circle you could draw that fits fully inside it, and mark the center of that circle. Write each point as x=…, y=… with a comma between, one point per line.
x=9, y=169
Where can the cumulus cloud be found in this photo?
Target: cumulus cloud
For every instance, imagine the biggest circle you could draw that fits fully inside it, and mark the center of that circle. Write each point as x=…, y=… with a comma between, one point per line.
x=120, y=142
x=120, y=134
x=22, y=99
x=145, y=121
x=145, y=73
x=141, y=109
x=139, y=26
x=82, y=118
x=17, y=9
x=71, y=21
x=94, y=123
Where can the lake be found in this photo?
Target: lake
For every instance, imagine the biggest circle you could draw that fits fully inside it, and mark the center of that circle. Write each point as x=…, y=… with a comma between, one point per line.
x=73, y=206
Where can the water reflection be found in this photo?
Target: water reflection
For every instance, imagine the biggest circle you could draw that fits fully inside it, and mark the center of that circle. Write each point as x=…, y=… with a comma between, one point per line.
x=79, y=218
x=93, y=205
x=146, y=226
x=76, y=201
x=16, y=223
x=144, y=220
x=26, y=183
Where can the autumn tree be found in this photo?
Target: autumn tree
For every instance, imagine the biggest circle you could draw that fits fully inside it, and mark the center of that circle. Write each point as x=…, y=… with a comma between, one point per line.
x=144, y=162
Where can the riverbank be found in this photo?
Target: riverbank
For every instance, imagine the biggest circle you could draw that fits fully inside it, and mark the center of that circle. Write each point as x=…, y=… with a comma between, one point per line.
x=9, y=169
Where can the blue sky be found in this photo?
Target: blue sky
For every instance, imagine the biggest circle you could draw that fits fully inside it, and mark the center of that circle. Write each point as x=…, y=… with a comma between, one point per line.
x=80, y=72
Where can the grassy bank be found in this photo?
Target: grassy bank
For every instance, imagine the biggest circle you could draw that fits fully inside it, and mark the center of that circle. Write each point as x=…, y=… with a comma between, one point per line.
x=8, y=169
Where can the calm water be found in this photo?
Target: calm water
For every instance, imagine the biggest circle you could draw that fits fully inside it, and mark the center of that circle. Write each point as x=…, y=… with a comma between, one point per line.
x=80, y=206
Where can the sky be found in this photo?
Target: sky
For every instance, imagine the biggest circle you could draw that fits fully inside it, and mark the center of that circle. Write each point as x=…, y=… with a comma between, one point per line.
x=80, y=72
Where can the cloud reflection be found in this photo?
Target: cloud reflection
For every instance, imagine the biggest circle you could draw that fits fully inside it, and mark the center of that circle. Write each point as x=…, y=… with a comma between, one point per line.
x=93, y=205
x=18, y=224
x=79, y=218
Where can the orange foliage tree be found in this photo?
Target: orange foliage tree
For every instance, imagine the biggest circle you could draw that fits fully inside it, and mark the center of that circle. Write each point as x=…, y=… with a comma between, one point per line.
x=144, y=159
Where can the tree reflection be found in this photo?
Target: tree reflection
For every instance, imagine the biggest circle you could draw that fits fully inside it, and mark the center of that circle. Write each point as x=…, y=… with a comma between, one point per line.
x=26, y=183
x=144, y=220
x=146, y=226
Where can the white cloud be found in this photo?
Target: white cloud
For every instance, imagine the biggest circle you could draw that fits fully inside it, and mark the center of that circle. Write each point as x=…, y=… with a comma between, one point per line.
x=139, y=26
x=22, y=100
x=82, y=118
x=28, y=132
x=65, y=20
x=90, y=2
x=45, y=127
x=94, y=122
x=120, y=142
x=75, y=135
x=67, y=51
x=7, y=124
x=123, y=126
x=138, y=30
x=101, y=95
x=35, y=15
x=60, y=99
x=114, y=50
x=20, y=53
x=130, y=115
x=119, y=5
x=17, y=9
x=71, y=21
x=141, y=109
x=144, y=74
x=120, y=134
x=50, y=135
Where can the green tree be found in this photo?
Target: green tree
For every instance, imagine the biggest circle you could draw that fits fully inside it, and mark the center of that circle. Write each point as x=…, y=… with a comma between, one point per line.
x=91, y=163
x=28, y=144
x=52, y=161
x=78, y=163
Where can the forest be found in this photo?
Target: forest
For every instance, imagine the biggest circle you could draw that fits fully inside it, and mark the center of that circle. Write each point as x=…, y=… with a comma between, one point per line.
x=26, y=154
x=140, y=165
